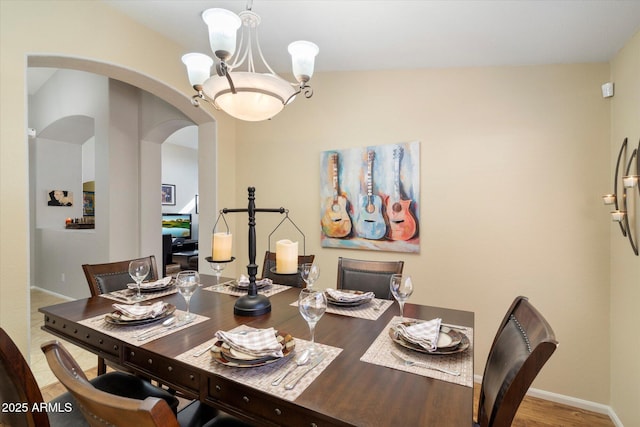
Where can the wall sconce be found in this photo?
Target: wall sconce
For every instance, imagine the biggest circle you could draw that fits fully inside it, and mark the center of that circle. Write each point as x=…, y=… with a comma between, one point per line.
x=629, y=180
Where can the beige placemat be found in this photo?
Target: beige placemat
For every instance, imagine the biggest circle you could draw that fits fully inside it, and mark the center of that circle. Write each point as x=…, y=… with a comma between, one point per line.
x=225, y=288
x=125, y=295
x=130, y=334
x=261, y=377
x=379, y=353
x=369, y=311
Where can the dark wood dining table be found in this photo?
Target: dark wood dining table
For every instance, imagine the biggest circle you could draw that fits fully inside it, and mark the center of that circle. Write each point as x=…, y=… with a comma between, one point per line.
x=349, y=392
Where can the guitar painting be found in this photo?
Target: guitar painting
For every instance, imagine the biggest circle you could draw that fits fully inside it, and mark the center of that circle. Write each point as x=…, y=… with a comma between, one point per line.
x=335, y=221
x=402, y=224
x=370, y=223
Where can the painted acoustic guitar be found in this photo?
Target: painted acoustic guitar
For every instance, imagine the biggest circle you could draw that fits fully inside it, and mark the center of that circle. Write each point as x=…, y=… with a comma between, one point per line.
x=336, y=221
x=402, y=223
x=370, y=223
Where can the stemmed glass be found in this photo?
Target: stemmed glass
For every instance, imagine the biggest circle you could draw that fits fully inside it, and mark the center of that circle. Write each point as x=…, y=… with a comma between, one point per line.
x=401, y=290
x=217, y=269
x=310, y=273
x=312, y=305
x=138, y=270
x=187, y=282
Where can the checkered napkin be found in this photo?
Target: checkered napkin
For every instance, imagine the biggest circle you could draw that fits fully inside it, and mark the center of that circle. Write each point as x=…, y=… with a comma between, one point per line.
x=424, y=334
x=243, y=281
x=140, y=312
x=348, y=296
x=161, y=283
x=255, y=342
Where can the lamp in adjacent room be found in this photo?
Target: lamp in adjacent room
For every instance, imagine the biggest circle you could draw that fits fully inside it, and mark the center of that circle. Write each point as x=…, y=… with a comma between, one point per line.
x=246, y=95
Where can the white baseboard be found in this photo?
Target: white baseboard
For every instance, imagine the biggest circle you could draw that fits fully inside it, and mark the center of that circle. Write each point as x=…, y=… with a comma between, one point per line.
x=574, y=402
x=55, y=294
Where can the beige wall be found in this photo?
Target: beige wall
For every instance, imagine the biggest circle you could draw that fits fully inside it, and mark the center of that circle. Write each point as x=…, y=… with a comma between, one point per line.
x=625, y=266
x=513, y=163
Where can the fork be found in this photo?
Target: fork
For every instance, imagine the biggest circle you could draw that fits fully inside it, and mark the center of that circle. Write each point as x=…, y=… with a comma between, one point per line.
x=408, y=362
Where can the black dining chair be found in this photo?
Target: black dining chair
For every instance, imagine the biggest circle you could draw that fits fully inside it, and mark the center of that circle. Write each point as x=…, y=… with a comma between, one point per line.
x=113, y=276
x=293, y=280
x=101, y=407
x=368, y=276
x=523, y=344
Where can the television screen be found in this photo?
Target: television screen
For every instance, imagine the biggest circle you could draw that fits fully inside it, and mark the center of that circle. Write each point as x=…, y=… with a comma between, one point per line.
x=178, y=225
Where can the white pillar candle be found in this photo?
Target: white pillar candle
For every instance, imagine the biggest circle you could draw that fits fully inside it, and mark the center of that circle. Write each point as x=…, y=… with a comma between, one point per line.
x=221, y=246
x=609, y=199
x=617, y=216
x=286, y=257
x=629, y=181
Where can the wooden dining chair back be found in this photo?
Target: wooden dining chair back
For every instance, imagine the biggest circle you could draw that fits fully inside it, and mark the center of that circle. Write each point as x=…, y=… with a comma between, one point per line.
x=293, y=280
x=18, y=386
x=523, y=344
x=367, y=276
x=113, y=276
x=101, y=408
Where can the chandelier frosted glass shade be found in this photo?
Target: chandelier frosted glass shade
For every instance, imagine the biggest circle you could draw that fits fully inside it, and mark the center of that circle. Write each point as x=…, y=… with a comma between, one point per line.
x=223, y=26
x=258, y=96
x=303, y=57
x=198, y=67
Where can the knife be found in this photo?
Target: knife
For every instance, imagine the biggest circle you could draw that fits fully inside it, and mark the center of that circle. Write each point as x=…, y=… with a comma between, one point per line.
x=315, y=362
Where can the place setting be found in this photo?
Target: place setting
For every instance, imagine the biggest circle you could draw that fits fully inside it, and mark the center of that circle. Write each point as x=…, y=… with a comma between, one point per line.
x=355, y=303
x=424, y=347
x=142, y=290
x=141, y=322
x=268, y=359
x=239, y=287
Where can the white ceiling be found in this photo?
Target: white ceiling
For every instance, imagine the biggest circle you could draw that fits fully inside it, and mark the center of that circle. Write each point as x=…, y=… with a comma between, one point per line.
x=385, y=34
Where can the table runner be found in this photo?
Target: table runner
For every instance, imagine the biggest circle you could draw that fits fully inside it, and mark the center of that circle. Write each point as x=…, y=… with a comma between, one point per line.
x=379, y=353
x=225, y=288
x=370, y=311
x=130, y=334
x=261, y=377
x=125, y=295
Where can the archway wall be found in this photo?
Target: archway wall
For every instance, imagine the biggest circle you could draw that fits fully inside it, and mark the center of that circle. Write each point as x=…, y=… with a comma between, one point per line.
x=88, y=36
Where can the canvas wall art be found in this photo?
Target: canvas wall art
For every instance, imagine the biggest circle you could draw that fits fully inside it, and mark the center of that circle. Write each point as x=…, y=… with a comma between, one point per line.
x=60, y=198
x=369, y=198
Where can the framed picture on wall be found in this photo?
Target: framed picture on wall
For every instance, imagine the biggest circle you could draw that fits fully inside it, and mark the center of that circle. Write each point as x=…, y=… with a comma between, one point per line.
x=168, y=194
x=88, y=203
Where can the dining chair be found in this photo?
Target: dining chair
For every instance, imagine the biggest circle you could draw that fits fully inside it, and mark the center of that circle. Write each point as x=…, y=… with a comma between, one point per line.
x=103, y=408
x=523, y=344
x=367, y=276
x=18, y=387
x=293, y=280
x=113, y=276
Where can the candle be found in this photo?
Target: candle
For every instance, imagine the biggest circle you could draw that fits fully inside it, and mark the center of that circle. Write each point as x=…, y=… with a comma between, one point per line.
x=286, y=257
x=609, y=199
x=629, y=181
x=221, y=246
x=617, y=216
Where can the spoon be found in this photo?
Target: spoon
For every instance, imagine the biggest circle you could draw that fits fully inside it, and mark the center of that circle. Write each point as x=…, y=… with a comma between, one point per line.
x=166, y=323
x=300, y=360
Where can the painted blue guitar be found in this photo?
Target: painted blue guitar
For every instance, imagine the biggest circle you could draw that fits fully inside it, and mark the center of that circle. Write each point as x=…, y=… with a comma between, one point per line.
x=370, y=223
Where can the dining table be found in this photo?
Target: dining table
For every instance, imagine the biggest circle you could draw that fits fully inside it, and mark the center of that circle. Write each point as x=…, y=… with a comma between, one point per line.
x=358, y=381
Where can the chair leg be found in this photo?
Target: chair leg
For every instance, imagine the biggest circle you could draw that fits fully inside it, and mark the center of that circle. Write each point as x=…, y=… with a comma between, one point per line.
x=102, y=366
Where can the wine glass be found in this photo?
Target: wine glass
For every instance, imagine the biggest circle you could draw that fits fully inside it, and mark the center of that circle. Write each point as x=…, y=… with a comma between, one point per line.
x=310, y=273
x=401, y=290
x=138, y=270
x=312, y=305
x=187, y=282
x=217, y=269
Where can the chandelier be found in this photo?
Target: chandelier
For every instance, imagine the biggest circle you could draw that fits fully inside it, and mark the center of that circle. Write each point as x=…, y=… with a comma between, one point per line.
x=236, y=87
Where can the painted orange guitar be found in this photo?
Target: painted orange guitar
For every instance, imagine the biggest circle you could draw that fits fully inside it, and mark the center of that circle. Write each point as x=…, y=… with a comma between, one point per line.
x=402, y=224
x=335, y=221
